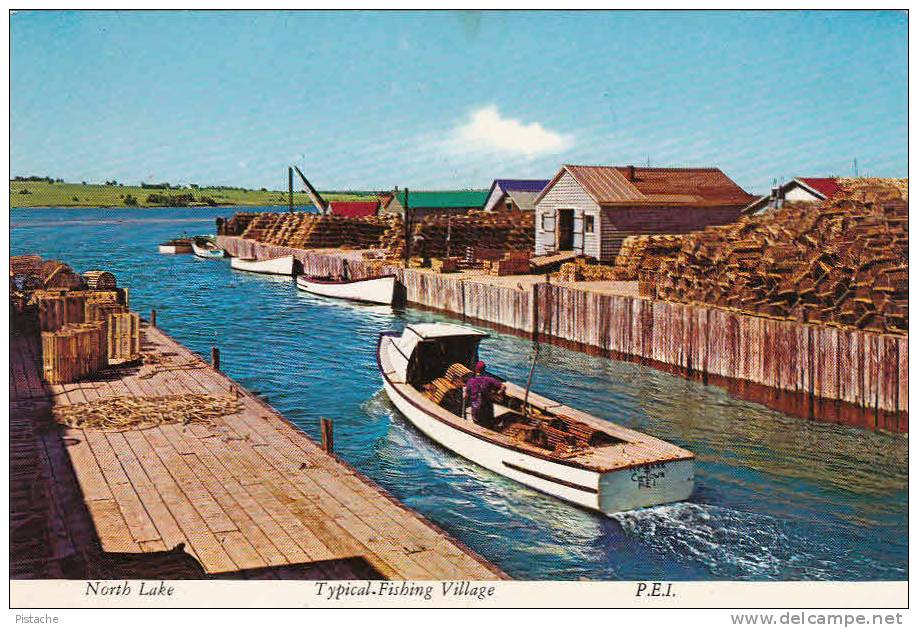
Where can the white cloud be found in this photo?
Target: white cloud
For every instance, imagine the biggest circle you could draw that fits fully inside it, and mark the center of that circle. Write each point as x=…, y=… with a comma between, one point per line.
x=487, y=130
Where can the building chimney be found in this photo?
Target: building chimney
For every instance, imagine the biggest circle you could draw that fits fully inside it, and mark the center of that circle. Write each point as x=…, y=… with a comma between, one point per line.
x=631, y=173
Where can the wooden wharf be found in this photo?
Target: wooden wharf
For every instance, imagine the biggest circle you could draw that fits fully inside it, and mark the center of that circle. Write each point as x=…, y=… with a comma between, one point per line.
x=250, y=496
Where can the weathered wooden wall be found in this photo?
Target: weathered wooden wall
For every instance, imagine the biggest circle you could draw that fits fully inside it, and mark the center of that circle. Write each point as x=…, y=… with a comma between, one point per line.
x=828, y=372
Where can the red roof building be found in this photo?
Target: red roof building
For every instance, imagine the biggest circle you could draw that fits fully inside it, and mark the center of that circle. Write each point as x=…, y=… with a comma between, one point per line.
x=797, y=190
x=590, y=210
x=354, y=209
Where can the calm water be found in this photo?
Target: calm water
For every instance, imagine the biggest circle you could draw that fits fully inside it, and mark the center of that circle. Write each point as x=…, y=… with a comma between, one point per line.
x=776, y=497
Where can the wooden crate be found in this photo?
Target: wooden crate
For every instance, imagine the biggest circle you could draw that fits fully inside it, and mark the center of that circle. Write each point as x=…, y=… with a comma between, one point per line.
x=123, y=337
x=72, y=352
x=446, y=265
x=55, y=311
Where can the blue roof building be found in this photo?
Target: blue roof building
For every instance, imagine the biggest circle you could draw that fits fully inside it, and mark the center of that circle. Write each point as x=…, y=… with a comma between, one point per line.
x=514, y=194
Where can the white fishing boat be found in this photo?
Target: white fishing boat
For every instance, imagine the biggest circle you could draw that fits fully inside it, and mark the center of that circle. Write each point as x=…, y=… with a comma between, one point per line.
x=276, y=266
x=536, y=441
x=203, y=247
x=370, y=290
x=176, y=246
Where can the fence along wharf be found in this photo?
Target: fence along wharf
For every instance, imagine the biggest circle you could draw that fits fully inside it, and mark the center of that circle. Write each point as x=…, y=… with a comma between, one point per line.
x=163, y=467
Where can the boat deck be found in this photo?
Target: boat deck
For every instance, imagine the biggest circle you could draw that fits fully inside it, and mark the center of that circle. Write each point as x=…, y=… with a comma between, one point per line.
x=249, y=497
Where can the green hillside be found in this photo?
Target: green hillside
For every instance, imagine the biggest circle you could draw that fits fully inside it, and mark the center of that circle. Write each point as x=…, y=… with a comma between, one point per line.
x=45, y=194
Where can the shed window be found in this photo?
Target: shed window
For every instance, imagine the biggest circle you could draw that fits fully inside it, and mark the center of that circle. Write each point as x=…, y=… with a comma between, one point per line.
x=588, y=224
x=544, y=216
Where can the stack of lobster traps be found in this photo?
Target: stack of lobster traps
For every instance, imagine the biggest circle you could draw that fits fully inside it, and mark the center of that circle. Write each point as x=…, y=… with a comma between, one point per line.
x=84, y=322
x=843, y=263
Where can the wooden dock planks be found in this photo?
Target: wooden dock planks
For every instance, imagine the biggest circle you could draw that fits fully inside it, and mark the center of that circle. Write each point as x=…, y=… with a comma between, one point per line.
x=249, y=493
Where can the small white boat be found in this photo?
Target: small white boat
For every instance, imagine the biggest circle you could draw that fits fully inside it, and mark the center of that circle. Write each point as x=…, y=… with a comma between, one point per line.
x=370, y=290
x=536, y=441
x=202, y=247
x=176, y=246
x=275, y=266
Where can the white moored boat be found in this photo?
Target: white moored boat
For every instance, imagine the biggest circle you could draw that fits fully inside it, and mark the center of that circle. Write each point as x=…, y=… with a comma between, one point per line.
x=176, y=247
x=538, y=442
x=202, y=247
x=369, y=290
x=276, y=266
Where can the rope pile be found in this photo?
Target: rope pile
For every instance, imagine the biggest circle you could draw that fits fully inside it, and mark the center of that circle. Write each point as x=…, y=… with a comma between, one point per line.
x=161, y=362
x=118, y=414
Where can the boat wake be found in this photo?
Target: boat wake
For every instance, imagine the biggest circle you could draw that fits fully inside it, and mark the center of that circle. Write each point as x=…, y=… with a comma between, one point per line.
x=730, y=543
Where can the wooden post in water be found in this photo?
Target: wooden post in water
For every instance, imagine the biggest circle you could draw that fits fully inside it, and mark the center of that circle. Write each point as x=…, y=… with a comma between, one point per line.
x=535, y=312
x=328, y=435
x=153, y=317
x=290, y=188
x=215, y=357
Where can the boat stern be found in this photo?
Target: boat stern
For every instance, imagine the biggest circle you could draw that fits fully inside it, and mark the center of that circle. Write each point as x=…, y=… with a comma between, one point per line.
x=643, y=486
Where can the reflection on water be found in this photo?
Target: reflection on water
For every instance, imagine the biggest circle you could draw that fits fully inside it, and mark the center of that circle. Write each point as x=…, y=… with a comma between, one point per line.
x=776, y=497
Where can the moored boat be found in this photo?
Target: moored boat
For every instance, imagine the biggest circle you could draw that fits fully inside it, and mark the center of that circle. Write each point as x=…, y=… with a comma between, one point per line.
x=276, y=266
x=369, y=290
x=205, y=247
x=538, y=442
x=176, y=246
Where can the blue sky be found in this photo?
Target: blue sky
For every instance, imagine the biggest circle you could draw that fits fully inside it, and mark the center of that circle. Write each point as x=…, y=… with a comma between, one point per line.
x=368, y=100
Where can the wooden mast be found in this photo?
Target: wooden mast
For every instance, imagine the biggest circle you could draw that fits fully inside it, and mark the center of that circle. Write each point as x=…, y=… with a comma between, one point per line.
x=316, y=198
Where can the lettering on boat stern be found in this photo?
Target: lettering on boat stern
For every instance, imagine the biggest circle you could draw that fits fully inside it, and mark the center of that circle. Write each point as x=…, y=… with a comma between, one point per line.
x=647, y=475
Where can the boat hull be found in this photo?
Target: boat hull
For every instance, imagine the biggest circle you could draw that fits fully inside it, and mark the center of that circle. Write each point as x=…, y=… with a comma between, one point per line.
x=206, y=253
x=373, y=290
x=174, y=249
x=609, y=492
x=277, y=266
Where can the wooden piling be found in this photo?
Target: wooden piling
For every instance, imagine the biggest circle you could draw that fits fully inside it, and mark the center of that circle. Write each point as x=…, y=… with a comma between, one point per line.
x=153, y=317
x=215, y=357
x=328, y=435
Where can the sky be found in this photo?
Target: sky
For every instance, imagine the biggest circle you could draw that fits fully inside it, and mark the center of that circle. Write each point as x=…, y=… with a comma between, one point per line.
x=435, y=100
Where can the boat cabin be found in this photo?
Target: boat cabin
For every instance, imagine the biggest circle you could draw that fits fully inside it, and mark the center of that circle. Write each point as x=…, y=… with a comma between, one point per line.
x=429, y=349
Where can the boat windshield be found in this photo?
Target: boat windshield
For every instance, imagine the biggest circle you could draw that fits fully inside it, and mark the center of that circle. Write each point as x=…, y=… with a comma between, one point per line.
x=432, y=357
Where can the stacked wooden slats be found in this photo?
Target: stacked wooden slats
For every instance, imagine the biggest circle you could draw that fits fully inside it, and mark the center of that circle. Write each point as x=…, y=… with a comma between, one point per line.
x=57, y=308
x=585, y=270
x=642, y=253
x=844, y=263
x=24, y=264
x=56, y=274
x=237, y=224
x=445, y=265
x=316, y=231
x=72, y=352
x=123, y=337
x=100, y=280
x=507, y=266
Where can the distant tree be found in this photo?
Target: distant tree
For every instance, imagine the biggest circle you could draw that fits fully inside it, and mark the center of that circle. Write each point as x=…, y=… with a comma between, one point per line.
x=84, y=183
x=210, y=201
x=75, y=199
x=130, y=200
x=24, y=191
x=264, y=189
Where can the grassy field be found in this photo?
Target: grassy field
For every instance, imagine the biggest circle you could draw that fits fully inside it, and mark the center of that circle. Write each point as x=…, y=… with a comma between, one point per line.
x=44, y=194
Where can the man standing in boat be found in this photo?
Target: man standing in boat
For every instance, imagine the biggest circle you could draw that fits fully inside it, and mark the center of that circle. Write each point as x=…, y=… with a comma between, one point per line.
x=479, y=391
